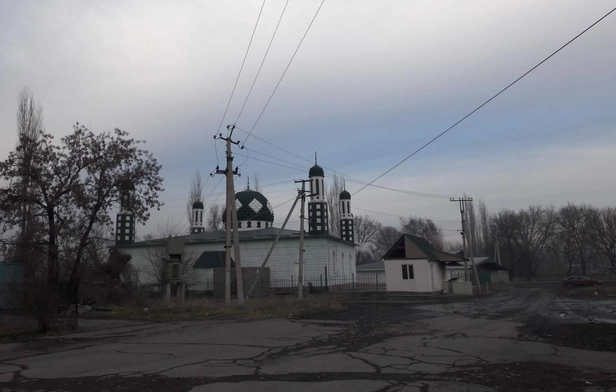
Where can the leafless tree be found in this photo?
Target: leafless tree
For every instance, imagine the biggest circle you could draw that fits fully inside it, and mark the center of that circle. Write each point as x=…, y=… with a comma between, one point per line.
x=214, y=217
x=506, y=225
x=256, y=184
x=605, y=234
x=576, y=224
x=29, y=128
x=333, y=195
x=195, y=193
x=487, y=238
x=383, y=240
x=423, y=227
x=537, y=225
x=156, y=265
x=365, y=229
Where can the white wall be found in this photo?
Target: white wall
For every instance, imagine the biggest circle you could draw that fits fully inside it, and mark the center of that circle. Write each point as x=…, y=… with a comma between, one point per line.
x=428, y=276
x=319, y=252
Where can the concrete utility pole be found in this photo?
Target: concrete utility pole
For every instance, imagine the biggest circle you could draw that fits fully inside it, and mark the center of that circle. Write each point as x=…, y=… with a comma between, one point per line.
x=471, y=245
x=231, y=222
x=300, y=274
x=274, y=244
x=466, y=246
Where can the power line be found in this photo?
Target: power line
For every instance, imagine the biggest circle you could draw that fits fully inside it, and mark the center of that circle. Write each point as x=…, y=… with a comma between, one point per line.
x=486, y=102
x=285, y=72
x=262, y=62
x=242, y=67
x=350, y=179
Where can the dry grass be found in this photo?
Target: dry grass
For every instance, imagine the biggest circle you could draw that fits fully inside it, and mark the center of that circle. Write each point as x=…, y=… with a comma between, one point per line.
x=602, y=291
x=16, y=326
x=211, y=309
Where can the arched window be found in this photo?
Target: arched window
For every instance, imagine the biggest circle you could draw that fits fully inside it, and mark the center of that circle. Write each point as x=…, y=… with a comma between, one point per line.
x=249, y=224
x=239, y=225
x=258, y=224
x=266, y=225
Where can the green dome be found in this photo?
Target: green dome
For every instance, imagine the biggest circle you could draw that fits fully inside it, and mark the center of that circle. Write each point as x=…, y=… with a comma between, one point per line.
x=344, y=195
x=252, y=206
x=316, y=171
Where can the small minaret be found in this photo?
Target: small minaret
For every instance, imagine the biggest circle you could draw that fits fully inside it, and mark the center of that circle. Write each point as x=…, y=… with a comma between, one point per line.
x=125, y=222
x=318, y=217
x=197, y=218
x=346, y=218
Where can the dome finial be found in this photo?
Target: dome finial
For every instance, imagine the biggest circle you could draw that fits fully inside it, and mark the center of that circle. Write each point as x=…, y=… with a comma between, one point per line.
x=315, y=157
x=248, y=184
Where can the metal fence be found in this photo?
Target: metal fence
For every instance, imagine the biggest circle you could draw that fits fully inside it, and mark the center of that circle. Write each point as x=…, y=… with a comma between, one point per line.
x=366, y=283
x=317, y=283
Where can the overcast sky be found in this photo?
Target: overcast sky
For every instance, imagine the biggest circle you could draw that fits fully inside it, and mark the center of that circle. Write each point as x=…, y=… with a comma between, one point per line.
x=371, y=83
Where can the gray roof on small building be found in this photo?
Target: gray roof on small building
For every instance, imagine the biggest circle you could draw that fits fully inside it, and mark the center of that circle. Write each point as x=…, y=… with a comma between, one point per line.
x=376, y=266
x=211, y=259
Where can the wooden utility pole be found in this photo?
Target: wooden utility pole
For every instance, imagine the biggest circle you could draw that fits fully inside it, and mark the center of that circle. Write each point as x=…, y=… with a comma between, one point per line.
x=231, y=223
x=466, y=245
x=300, y=274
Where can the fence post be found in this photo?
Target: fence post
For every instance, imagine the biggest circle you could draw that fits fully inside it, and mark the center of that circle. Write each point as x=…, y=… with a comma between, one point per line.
x=376, y=274
x=353, y=279
x=326, y=286
x=321, y=281
x=292, y=283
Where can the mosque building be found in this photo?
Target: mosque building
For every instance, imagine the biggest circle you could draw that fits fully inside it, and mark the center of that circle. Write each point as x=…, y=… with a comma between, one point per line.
x=324, y=253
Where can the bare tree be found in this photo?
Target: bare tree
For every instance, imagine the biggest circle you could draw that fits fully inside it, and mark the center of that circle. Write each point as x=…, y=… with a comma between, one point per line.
x=578, y=226
x=256, y=184
x=383, y=240
x=537, y=225
x=365, y=229
x=195, y=193
x=487, y=238
x=506, y=225
x=156, y=265
x=605, y=234
x=29, y=129
x=333, y=194
x=423, y=227
x=214, y=217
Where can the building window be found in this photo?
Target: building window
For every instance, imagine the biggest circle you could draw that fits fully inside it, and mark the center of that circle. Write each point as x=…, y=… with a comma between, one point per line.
x=259, y=225
x=239, y=225
x=407, y=272
x=249, y=224
x=266, y=225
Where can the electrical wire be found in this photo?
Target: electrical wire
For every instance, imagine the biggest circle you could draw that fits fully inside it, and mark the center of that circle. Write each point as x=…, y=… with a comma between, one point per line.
x=285, y=72
x=242, y=67
x=485, y=103
x=262, y=62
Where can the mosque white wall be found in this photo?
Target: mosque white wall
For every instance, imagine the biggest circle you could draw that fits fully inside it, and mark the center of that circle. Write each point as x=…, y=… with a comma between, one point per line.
x=321, y=252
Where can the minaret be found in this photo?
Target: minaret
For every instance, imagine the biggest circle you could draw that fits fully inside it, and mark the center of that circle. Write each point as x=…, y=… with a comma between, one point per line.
x=318, y=219
x=125, y=222
x=197, y=218
x=346, y=218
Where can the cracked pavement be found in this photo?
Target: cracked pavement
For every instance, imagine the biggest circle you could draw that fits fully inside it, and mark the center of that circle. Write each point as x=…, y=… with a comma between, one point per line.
x=410, y=346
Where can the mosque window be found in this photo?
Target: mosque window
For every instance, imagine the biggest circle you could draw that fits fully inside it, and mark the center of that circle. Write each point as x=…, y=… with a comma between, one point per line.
x=249, y=224
x=239, y=225
x=266, y=225
x=259, y=225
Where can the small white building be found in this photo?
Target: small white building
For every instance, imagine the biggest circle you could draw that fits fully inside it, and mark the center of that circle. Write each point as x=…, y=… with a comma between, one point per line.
x=412, y=264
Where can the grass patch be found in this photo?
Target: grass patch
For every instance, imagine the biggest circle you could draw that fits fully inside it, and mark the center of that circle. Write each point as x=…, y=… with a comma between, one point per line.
x=211, y=309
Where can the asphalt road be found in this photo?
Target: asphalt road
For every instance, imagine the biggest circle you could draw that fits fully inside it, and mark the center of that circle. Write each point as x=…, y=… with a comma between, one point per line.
x=479, y=345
